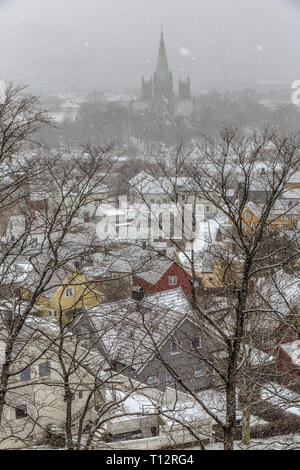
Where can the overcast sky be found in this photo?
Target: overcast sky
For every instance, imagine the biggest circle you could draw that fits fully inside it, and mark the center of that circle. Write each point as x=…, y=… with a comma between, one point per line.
x=76, y=45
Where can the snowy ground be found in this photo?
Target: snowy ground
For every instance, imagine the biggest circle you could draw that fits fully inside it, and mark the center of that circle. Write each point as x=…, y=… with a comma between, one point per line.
x=288, y=442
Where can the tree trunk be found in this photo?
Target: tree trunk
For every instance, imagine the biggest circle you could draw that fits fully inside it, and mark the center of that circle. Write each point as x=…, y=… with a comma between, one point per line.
x=246, y=426
x=228, y=439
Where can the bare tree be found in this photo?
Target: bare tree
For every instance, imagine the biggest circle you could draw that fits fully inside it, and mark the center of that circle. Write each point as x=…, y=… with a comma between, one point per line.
x=256, y=237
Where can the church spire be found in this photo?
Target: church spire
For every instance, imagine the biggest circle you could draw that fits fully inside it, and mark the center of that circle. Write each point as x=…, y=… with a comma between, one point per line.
x=162, y=70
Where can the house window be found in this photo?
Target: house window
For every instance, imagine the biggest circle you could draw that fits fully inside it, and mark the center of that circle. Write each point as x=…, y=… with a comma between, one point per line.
x=80, y=394
x=199, y=369
x=69, y=292
x=86, y=216
x=34, y=241
x=172, y=280
x=152, y=379
x=175, y=348
x=207, y=209
x=196, y=343
x=169, y=377
x=155, y=431
x=44, y=369
x=248, y=216
x=21, y=411
x=26, y=374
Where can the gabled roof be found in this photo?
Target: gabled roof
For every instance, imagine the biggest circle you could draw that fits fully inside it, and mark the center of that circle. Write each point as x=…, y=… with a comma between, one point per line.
x=128, y=330
x=60, y=276
x=154, y=270
x=293, y=351
x=280, y=292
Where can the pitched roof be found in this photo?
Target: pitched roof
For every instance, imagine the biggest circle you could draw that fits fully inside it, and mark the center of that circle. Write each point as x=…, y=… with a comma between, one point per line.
x=154, y=270
x=129, y=329
x=281, y=292
x=293, y=351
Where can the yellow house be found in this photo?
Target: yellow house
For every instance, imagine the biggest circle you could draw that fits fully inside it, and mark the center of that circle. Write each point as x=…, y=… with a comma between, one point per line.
x=209, y=275
x=214, y=279
x=281, y=218
x=249, y=219
x=210, y=278
x=283, y=222
x=68, y=290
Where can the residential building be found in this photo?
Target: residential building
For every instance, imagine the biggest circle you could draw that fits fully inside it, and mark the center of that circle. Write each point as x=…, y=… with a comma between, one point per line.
x=35, y=398
x=68, y=291
x=140, y=337
x=161, y=274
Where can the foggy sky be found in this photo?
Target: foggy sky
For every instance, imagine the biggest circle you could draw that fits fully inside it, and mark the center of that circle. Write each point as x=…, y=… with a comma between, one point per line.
x=81, y=45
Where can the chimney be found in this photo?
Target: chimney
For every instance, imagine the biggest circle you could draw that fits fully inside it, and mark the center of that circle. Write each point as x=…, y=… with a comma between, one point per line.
x=77, y=265
x=138, y=293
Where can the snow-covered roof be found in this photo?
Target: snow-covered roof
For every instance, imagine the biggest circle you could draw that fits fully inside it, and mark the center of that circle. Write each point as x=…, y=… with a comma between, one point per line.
x=256, y=356
x=280, y=292
x=293, y=351
x=154, y=270
x=293, y=193
x=282, y=397
x=128, y=328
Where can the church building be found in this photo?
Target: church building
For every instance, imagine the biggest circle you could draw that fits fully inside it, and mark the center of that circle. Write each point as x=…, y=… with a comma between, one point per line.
x=157, y=94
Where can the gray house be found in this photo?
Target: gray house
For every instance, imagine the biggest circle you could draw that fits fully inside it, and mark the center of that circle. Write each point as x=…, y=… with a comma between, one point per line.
x=155, y=339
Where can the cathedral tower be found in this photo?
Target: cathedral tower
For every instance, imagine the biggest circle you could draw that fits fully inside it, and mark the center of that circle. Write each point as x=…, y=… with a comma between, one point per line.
x=163, y=94
x=185, y=89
